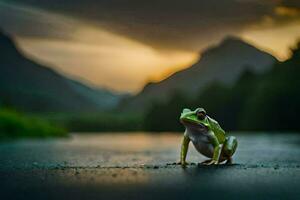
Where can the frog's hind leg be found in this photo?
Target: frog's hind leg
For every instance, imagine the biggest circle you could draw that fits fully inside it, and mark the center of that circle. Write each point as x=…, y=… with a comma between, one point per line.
x=229, y=148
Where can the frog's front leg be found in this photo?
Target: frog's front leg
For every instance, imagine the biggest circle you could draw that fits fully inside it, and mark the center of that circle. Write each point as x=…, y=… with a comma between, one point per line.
x=229, y=149
x=184, y=150
x=217, y=149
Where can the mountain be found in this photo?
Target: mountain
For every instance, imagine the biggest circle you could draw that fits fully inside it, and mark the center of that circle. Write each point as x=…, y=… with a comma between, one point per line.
x=223, y=63
x=29, y=86
x=267, y=102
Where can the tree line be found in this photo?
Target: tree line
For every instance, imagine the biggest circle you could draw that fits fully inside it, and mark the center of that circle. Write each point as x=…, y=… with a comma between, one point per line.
x=266, y=102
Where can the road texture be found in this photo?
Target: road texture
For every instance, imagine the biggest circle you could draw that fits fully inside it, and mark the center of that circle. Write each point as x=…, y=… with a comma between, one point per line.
x=140, y=166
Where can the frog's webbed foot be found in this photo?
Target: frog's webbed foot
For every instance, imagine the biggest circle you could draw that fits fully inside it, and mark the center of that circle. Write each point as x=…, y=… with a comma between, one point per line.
x=212, y=162
x=184, y=164
x=206, y=161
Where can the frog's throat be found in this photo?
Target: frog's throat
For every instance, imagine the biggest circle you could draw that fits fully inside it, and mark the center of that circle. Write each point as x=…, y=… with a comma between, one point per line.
x=192, y=122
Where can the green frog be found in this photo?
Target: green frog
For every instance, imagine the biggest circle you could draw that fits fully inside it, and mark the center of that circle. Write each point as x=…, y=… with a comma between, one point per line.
x=207, y=136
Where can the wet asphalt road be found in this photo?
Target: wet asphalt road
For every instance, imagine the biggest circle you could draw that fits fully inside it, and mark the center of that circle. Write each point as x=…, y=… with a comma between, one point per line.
x=139, y=166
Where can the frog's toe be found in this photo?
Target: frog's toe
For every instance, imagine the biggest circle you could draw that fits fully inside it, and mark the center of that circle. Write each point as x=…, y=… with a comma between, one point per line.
x=183, y=164
x=212, y=162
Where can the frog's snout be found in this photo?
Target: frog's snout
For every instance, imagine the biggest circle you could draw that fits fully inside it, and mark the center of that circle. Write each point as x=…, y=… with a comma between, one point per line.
x=181, y=118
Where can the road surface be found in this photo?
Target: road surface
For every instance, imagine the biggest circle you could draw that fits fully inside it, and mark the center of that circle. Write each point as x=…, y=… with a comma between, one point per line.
x=140, y=166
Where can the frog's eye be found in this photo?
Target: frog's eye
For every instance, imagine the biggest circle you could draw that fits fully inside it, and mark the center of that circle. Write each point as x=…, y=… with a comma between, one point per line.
x=201, y=115
x=186, y=110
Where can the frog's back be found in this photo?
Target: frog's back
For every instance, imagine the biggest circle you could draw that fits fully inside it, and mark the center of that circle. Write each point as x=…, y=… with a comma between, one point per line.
x=218, y=131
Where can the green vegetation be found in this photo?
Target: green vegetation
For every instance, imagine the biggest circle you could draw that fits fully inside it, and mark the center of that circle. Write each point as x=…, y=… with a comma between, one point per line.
x=165, y=116
x=105, y=122
x=268, y=102
x=274, y=104
x=94, y=122
x=16, y=125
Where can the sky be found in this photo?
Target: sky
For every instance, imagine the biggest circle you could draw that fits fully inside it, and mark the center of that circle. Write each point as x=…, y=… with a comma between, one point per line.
x=123, y=44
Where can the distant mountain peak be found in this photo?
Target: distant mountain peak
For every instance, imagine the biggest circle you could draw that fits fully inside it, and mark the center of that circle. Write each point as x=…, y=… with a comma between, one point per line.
x=230, y=44
x=229, y=40
x=235, y=42
x=232, y=39
x=223, y=63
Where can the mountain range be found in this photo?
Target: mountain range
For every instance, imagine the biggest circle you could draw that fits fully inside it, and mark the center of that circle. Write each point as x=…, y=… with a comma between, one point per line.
x=29, y=86
x=223, y=63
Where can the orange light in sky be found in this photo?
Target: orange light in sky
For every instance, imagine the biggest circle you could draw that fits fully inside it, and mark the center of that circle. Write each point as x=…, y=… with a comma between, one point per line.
x=107, y=59
x=286, y=11
x=116, y=62
x=276, y=40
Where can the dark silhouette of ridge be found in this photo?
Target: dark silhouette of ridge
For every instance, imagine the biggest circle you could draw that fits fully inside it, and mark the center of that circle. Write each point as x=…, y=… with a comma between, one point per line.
x=223, y=63
x=29, y=86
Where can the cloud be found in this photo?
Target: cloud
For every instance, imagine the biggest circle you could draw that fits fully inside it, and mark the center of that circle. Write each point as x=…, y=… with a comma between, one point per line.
x=188, y=24
x=112, y=62
x=29, y=22
x=291, y=3
x=287, y=10
x=88, y=52
x=97, y=40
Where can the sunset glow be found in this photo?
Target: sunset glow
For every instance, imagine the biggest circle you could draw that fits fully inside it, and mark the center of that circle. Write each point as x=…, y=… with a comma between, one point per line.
x=275, y=40
x=90, y=52
x=103, y=65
